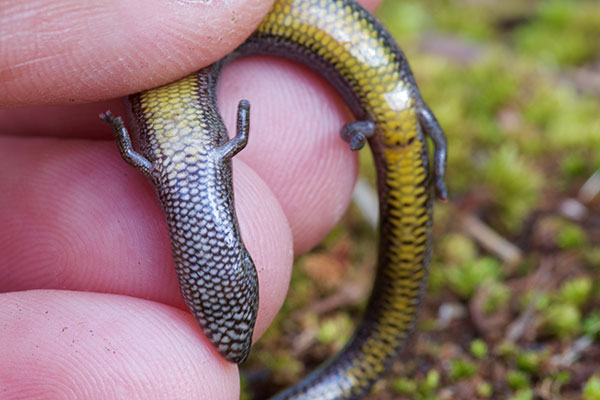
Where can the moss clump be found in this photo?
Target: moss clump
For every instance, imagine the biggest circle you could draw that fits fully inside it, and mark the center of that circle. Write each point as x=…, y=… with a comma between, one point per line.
x=517, y=380
x=465, y=279
x=529, y=362
x=485, y=390
x=462, y=369
x=514, y=182
x=404, y=386
x=497, y=296
x=591, y=324
x=479, y=349
x=523, y=394
x=575, y=291
x=570, y=236
x=562, y=320
x=561, y=32
x=591, y=390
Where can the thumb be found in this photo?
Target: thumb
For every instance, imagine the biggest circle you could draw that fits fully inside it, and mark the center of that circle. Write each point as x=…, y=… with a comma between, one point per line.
x=69, y=51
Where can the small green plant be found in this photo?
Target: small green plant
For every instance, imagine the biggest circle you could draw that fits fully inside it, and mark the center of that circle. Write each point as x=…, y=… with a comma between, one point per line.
x=432, y=380
x=541, y=299
x=507, y=349
x=523, y=394
x=404, y=386
x=462, y=369
x=479, y=349
x=529, y=362
x=515, y=183
x=562, y=320
x=559, y=34
x=517, y=380
x=592, y=257
x=576, y=291
x=485, y=389
x=497, y=296
x=591, y=324
x=464, y=280
x=419, y=390
x=591, y=390
x=570, y=236
x=458, y=249
x=335, y=330
x=561, y=378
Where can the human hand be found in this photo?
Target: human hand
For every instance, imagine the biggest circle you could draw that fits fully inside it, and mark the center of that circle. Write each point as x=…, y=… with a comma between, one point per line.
x=90, y=306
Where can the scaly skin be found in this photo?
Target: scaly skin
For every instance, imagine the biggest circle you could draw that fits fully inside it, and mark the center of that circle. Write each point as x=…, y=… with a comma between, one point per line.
x=186, y=153
x=180, y=132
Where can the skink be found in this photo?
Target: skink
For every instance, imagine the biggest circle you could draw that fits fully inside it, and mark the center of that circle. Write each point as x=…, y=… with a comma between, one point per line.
x=184, y=148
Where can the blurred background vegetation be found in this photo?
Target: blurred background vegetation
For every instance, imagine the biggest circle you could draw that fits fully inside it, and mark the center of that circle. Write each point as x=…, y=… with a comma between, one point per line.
x=513, y=306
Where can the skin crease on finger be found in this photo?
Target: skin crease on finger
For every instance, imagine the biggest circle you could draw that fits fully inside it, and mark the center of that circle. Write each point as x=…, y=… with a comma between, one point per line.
x=69, y=51
x=76, y=345
x=66, y=224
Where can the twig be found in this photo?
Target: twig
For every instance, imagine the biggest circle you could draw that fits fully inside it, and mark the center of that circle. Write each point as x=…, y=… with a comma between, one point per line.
x=517, y=328
x=572, y=353
x=590, y=188
x=349, y=293
x=490, y=240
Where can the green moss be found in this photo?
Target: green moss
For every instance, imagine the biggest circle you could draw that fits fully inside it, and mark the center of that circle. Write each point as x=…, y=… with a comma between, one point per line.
x=562, y=320
x=470, y=22
x=418, y=390
x=497, y=296
x=573, y=166
x=282, y=363
x=404, y=386
x=575, y=291
x=479, y=349
x=491, y=87
x=515, y=184
x=485, y=389
x=302, y=289
x=335, y=330
x=592, y=256
x=570, y=236
x=529, y=362
x=556, y=36
x=570, y=48
x=404, y=17
x=523, y=394
x=462, y=369
x=432, y=380
x=506, y=349
x=591, y=324
x=518, y=380
x=567, y=119
x=464, y=280
x=437, y=279
x=540, y=298
x=591, y=390
x=560, y=378
x=457, y=249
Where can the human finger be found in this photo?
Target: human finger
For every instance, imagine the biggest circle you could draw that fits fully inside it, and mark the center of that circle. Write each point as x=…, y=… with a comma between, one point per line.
x=75, y=345
x=74, y=216
x=69, y=52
